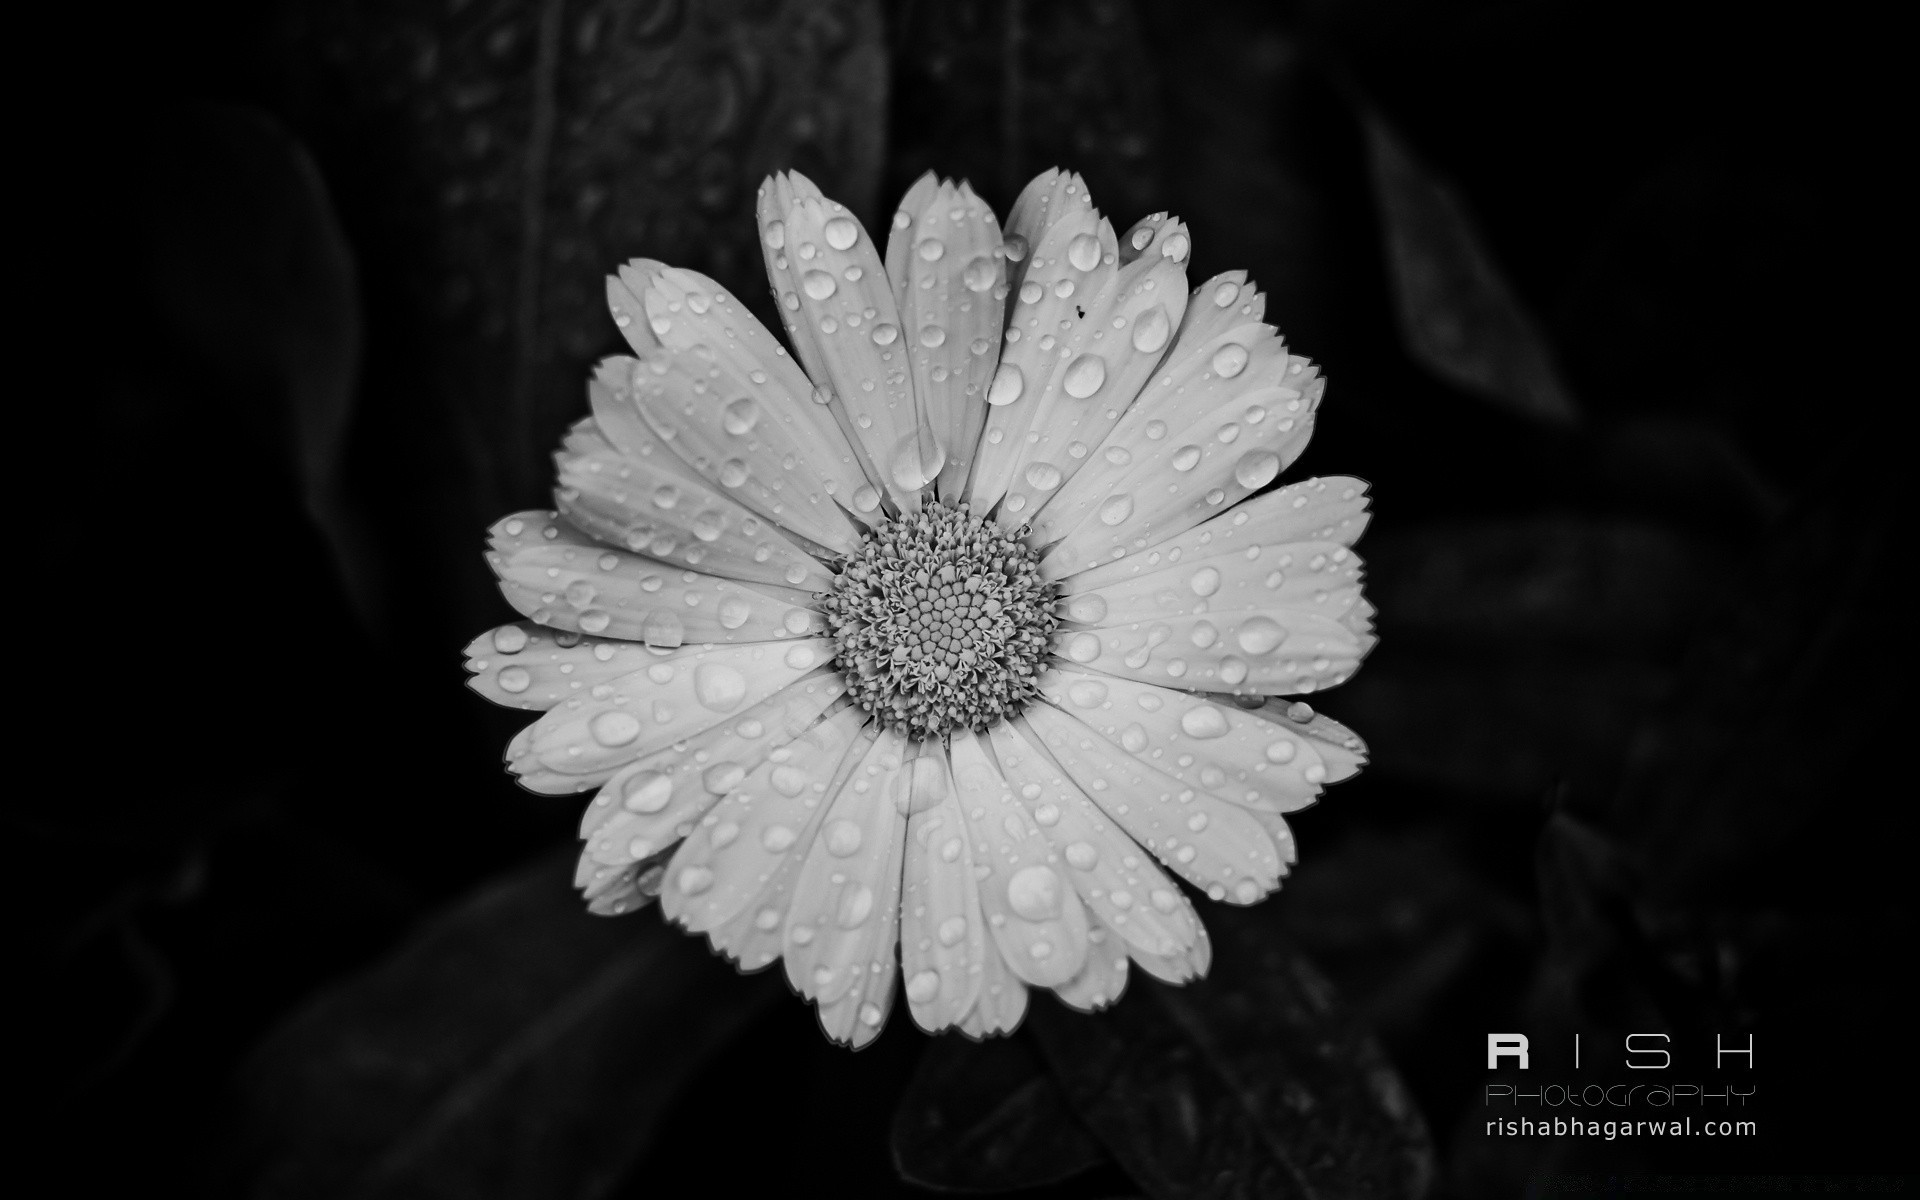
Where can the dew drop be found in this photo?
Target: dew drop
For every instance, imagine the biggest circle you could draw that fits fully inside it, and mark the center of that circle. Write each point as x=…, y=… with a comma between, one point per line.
x=1204, y=721
x=819, y=284
x=801, y=657
x=952, y=930
x=1232, y=671
x=1205, y=581
x=1259, y=635
x=842, y=838
x=923, y=987
x=866, y=498
x=932, y=249
x=1280, y=751
x=719, y=687
x=980, y=275
x=917, y=460
x=1084, y=252
x=841, y=233
x=1087, y=609
x=509, y=639
x=1007, y=385
x=1087, y=693
x=514, y=680
x=1119, y=456
x=1186, y=458
x=788, y=780
x=1175, y=248
x=1133, y=739
x=884, y=335
x=614, y=728
x=1043, y=476
x=1229, y=360
x=1256, y=468
x=1015, y=248
x=1084, y=376
x=740, y=416
x=694, y=880
x=721, y=778
x=733, y=473
x=776, y=235
x=662, y=629
x=1034, y=893
x=932, y=336
x=1116, y=509
x=1225, y=295
x=1151, y=329
x=855, y=906
x=1084, y=648
x=594, y=621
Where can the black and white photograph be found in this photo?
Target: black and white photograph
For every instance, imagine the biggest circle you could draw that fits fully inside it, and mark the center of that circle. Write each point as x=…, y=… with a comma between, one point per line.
x=1051, y=599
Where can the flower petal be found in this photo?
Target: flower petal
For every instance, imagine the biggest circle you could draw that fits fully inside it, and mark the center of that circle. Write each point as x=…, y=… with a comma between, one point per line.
x=768, y=815
x=1232, y=616
x=1122, y=887
x=1118, y=336
x=845, y=918
x=1224, y=416
x=1216, y=845
x=616, y=891
x=1002, y=1002
x=647, y=806
x=561, y=578
x=1099, y=983
x=1033, y=913
x=839, y=309
x=943, y=937
x=1073, y=260
x=524, y=665
x=1219, y=748
x=682, y=694
x=652, y=503
x=949, y=281
x=626, y=301
x=756, y=936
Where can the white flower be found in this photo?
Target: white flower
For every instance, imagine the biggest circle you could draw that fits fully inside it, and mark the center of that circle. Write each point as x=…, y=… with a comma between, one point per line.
x=945, y=648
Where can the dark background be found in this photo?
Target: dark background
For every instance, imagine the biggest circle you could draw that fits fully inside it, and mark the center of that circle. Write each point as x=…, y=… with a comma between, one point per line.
x=1596, y=286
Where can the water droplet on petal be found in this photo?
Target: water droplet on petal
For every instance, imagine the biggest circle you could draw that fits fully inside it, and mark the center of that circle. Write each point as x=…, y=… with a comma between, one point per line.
x=884, y=334
x=719, y=686
x=841, y=233
x=842, y=839
x=1043, y=475
x=1205, y=581
x=1087, y=693
x=721, y=778
x=931, y=250
x=1084, y=376
x=797, y=620
x=801, y=657
x=917, y=460
x=866, y=498
x=1151, y=329
x=1087, y=609
x=902, y=219
x=932, y=336
x=923, y=987
x=819, y=284
x=855, y=905
x=1204, y=721
x=694, y=880
x=1115, y=509
x=1226, y=294
x=1258, y=635
x=1185, y=458
x=1008, y=383
x=509, y=639
x=1082, y=856
x=777, y=838
x=614, y=728
x=733, y=473
x=1256, y=468
x=952, y=930
x=740, y=415
x=662, y=630
x=1229, y=360
x=1084, y=252
x=1175, y=248
x=980, y=275
x=1015, y=248
x=1034, y=893
x=1133, y=739
x=1084, y=648
x=1232, y=671
x=775, y=235
x=1281, y=751
x=514, y=680
x=788, y=780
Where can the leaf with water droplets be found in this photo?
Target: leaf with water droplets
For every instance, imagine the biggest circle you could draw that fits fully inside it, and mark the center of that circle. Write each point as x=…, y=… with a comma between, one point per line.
x=987, y=1117
x=417, y=1077
x=1251, y=1083
x=1459, y=317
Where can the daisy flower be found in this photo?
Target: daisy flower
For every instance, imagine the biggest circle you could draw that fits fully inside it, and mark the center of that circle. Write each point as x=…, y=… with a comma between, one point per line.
x=945, y=645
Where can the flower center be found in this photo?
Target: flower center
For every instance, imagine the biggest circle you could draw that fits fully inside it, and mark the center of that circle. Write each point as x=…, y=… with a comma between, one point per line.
x=942, y=621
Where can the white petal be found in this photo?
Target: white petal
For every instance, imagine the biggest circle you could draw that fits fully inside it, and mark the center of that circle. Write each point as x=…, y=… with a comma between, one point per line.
x=1122, y=887
x=1217, y=846
x=1118, y=336
x=1099, y=983
x=843, y=924
x=1235, y=616
x=561, y=578
x=1341, y=751
x=1206, y=743
x=684, y=693
x=644, y=498
x=900, y=234
x=626, y=293
x=756, y=936
x=616, y=891
x=653, y=802
x=943, y=939
x=1222, y=417
x=1070, y=263
x=767, y=817
x=1177, y=969
x=1002, y=1002
x=524, y=665
x=950, y=313
x=1330, y=508
x=838, y=305
x=1033, y=913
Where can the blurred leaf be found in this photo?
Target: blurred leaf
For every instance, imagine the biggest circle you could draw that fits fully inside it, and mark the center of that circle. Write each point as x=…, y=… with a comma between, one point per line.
x=500, y=157
x=986, y=1117
x=514, y=1046
x=248, y=265
x=1251, y=1083
x=1458, y=315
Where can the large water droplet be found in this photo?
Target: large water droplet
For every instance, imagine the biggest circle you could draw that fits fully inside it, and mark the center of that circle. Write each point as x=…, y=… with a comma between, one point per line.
x=1084, y=648
x=922, y=786
x=1043, y=475
x=1229, y=360
x=1258, y=635
x=1232, y=671
x=1082, y=856
x=1084, y=252
x=841, y=233
x=739, y=416
x=646, y=792
x=1151, y=329
x=594, y=621
x=932, y=336
x=1008, y=383
x=721, y=778
x=1175, y=248
x=1133, y=739
x=952, y=930
x=1204, y=721
x=1205, y=581
x=1226, y=294
x=614, y=728
x=980, y=275
x=662, y=630
x=694, y=880
x=1015, y=248
x=797, y=620
x=719, y=686
x=842, y=839
x=1084, y=376
x=509, y=639
x=1087, y=693
x=923, y=987
x=1087, y=609
x=733, y=473
x=788, y=780
x=819, y=284
x=1115, y=509
x=866, y=498
x=514, y=680
x=777, y=838
x=1256, y=468
x=917, y=460
x=801, y=657
x=1034, y=893
x=931, y=250
x=1185, y=458
x=1281, y=751
x=775, y=235
x=855, y=905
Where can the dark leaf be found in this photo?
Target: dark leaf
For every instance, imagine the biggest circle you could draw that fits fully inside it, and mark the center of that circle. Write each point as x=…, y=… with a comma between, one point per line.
x=250, y=270
x=1251, y=1083
x=514, y=1046
x=987, y=1117
x=1458, y=315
